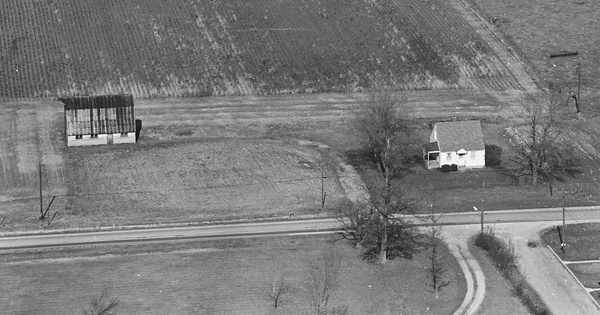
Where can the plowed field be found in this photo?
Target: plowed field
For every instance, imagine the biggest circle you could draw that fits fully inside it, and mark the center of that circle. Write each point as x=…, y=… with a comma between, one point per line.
x=149, y=49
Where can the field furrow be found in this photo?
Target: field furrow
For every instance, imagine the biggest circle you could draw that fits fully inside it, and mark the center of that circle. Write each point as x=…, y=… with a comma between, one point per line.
x=200, y=48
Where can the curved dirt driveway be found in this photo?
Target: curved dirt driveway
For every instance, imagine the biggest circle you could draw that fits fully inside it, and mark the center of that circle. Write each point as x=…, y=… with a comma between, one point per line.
x=457, y=238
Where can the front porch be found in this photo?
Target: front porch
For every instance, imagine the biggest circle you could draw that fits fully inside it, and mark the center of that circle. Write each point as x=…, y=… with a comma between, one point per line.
x=432, y=164
x=431, y=155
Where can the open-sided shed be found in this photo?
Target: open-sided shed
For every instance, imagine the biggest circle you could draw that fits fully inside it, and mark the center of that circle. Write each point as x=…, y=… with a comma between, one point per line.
x=94, y=120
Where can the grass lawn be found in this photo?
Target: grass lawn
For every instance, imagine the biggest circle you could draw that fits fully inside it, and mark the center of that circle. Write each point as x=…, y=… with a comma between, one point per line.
x=231, y=276
x=582, y=245
x=499, y=298
x=582, y=241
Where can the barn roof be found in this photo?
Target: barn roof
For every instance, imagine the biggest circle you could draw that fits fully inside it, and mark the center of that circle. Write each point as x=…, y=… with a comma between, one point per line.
x=104, y=114
x=456, y=135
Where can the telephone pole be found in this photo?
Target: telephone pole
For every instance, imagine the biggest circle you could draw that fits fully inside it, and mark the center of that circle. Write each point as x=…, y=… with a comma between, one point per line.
x=41, y=201
x=564, y=230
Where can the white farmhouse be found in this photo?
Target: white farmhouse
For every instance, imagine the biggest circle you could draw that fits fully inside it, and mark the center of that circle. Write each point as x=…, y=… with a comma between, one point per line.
x=104, y=119
x=455, y=142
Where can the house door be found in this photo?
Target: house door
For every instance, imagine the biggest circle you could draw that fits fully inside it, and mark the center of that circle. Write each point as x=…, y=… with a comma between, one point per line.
x=462, y=161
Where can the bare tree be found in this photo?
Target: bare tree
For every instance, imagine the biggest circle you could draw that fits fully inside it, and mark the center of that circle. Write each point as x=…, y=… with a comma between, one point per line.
x=101, y=304
x=437, y=269
x=356, y=221
x=322, y=280
x=384, y=125
x=279, y=286
x=542, y=155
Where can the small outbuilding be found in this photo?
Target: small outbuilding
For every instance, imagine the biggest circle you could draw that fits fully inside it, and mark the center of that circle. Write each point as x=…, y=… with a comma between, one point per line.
x=96, y=120
x=457, y=143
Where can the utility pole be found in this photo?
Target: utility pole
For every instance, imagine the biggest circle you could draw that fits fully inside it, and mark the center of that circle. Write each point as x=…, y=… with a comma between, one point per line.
x=482, y=199
x=578, y=86
x=41, y=202
x=578, y=96
x=323, y=193
x=564, y=235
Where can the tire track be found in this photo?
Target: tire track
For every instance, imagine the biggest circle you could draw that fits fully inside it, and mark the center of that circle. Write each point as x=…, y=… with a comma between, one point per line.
x=458, y=244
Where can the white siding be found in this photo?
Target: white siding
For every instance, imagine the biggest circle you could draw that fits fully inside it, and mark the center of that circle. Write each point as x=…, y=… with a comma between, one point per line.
x=72, y=141
x=472, y=159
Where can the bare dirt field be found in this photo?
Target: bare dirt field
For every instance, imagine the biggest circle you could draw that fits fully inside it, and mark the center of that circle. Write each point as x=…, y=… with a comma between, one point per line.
x=215, y=277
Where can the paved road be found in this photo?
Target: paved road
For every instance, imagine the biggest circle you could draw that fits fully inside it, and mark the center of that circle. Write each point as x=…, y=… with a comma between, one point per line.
x=559, y=289
x=561, y=292
x=280, y=227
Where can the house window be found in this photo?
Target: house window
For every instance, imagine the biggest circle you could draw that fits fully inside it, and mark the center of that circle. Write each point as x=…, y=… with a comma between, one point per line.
x=123, y=134
x=78, y=136
x=473, y=155
x=448, y=157
x=94, y=137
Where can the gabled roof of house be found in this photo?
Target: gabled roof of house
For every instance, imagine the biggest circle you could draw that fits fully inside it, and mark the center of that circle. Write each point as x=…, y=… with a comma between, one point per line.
x=456, y=135
x=103, y=114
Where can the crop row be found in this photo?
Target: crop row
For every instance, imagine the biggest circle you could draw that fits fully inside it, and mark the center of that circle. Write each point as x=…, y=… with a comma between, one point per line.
x=237, y=47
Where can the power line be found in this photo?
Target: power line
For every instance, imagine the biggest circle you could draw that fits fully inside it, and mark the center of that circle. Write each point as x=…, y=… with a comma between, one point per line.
x=180, y=189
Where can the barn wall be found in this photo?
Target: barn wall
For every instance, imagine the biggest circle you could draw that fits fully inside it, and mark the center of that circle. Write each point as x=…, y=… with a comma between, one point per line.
x=87, y=140
x=118, y=138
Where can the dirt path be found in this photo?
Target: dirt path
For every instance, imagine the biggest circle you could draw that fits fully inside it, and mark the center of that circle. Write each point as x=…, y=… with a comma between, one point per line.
x=503, y=51
x=457, y=239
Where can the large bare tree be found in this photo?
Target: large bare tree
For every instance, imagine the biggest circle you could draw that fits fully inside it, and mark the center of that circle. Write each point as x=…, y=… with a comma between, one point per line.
x=384, y=126
x=542, y=154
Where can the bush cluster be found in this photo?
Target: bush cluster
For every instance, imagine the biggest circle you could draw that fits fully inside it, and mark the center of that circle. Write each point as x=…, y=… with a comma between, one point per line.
x=493, y=155
x=449, y=168
x=505, y=259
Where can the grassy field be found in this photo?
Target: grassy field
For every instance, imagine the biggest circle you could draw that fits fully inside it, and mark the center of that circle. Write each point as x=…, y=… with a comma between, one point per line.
x=199, y=181
x=197, y=48
x=539, y=28
x=214, y=158
x=215, y=277
x=499, y=297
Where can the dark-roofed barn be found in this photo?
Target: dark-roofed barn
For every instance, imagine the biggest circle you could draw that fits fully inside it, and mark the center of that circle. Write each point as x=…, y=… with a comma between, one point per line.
x=456, y=142
x=94, y=120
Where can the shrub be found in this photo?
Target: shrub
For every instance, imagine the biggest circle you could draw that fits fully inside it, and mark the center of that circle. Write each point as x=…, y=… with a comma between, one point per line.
x=454, y=167
x=493, y=155
x=446, y=168
x=505, y=259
